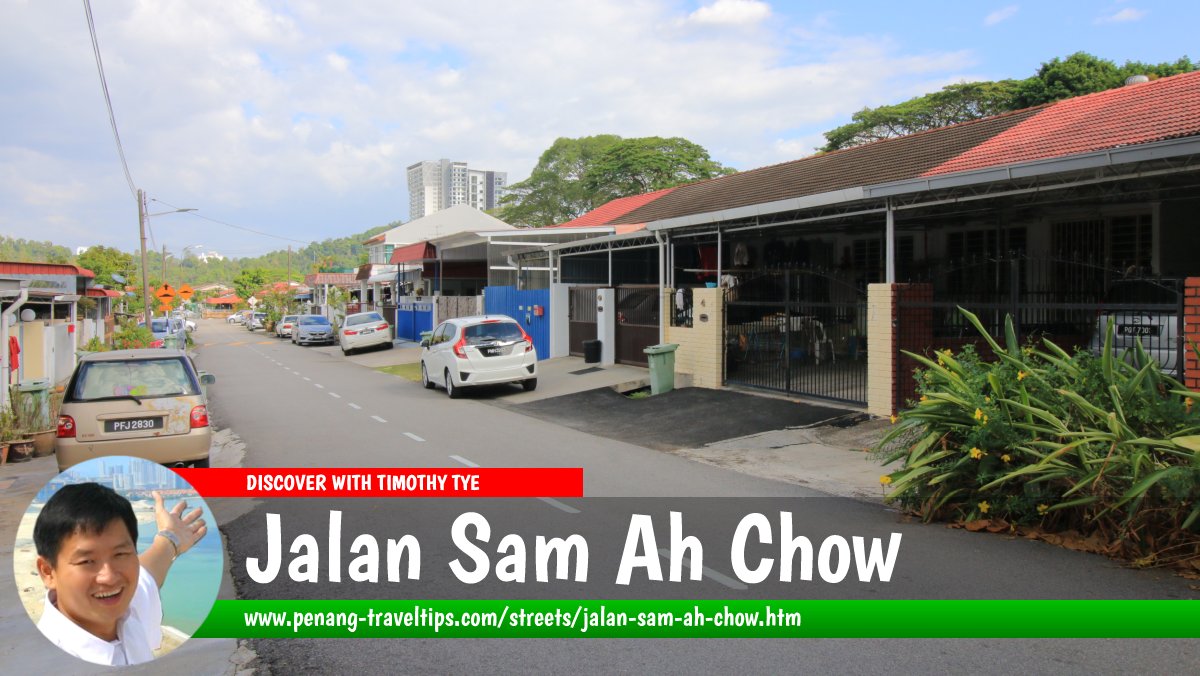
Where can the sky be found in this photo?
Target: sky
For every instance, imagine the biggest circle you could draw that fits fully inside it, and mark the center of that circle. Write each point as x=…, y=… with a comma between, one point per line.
x=298, y=119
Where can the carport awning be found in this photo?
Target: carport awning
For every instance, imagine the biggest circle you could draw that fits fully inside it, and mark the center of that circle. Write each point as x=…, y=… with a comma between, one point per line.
x=414, y=253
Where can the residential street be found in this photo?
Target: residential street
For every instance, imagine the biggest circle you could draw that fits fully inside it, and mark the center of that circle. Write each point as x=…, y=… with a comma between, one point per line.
x=294, y=406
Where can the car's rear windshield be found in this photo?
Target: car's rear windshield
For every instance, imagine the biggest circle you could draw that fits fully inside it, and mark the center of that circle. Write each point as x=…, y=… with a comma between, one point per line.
x=289, y=318
x=158, y=325
x=363, y=319
x=140, y=378
x=491, y=331
x=1142, y=291
x=313, y=319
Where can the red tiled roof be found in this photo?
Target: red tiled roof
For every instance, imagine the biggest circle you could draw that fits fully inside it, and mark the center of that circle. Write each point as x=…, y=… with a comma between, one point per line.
x=610, y=212
x=414, y=253
x=335, y=278
x=377, y=238
x=1144, y=113
x=16, y=268
x=102, y=293
x=223, y=300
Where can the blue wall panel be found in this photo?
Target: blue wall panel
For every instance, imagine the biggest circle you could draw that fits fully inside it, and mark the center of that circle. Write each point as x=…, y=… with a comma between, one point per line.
x=520, y=304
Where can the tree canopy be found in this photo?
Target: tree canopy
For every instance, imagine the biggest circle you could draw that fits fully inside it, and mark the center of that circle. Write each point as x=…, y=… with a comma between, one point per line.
x=1057, y=79
x=575, y=175
x=106, y=262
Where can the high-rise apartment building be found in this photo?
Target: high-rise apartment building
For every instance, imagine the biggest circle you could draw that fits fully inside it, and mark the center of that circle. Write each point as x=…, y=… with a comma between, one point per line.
x=437, y=185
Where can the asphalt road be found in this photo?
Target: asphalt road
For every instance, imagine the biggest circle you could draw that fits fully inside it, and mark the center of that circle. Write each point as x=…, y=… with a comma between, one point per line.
x=295, y=407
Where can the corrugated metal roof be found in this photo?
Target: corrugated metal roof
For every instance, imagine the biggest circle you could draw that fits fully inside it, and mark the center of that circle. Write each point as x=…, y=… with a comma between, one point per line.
x=21, y=268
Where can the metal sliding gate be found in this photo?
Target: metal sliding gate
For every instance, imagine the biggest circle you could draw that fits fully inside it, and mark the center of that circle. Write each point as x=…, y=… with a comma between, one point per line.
x=798, y=332
x=581, y=317
x=1069, y=302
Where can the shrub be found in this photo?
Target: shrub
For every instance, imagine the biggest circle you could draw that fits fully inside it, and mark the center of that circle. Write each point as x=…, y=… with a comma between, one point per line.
x=1105, y=445
x=131, y=336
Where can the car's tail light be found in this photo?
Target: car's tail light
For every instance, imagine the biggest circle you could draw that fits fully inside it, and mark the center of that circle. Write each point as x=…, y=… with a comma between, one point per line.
x=382, y=327
x=528, y=341
x=348, y=332
x=460, y=348
x=199, y=416
x=66, y=427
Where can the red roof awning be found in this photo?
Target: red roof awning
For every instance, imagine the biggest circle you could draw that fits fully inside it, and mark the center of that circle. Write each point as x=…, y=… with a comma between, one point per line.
x=414, y=253
x=223, y=300
x=102, y=293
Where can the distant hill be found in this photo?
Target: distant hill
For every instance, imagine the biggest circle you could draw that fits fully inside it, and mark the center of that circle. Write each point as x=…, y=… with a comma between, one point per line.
x=340, y=252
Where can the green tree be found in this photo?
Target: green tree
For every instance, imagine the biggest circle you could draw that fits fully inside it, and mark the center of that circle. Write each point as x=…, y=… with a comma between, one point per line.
x=954, y=103
x=574, y=176
x=1079, y=73
x=554, y=191
x=640, y=165
x=106, y=262
x=250, y=281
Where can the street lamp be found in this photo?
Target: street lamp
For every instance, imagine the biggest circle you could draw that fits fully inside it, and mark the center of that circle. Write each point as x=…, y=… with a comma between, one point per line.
x=142, y=218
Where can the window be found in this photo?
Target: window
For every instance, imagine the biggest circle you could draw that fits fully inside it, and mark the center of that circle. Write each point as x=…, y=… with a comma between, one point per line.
x=489, y=332
x=139, y=378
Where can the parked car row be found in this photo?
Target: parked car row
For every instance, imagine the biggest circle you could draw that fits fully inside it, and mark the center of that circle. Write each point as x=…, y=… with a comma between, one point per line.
x=359, y=331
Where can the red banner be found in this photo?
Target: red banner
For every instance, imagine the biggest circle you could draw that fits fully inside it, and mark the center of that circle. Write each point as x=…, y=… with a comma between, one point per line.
x=379, y=482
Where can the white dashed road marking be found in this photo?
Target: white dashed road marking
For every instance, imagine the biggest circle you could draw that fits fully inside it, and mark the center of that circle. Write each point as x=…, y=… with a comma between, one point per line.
x=462, y=460
x=412, y=436
x=335, y=395
x=355, y=406
x=319, y=386
x=375, y=417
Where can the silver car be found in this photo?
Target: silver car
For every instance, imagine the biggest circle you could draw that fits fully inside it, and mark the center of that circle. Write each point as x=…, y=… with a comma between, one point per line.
x=312, y=329
x=1145, y=310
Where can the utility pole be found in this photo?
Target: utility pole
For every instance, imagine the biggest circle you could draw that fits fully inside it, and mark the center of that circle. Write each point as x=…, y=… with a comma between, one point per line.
x=164, y=264
x=289, y=277
x=141, y=198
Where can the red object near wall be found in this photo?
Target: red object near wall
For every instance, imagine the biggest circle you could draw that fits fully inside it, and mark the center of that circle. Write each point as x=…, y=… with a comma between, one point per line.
x=1191, y=332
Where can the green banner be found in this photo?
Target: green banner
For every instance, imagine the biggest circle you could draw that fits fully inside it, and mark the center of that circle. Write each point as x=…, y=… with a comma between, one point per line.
x=337, y=618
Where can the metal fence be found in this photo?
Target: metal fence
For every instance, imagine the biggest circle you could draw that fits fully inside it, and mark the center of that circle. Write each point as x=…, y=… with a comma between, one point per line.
x=1070, y=302
x=798, y=332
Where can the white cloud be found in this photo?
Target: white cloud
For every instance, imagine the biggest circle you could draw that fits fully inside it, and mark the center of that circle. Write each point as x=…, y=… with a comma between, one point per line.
x=245, y=109
x=1000, y=15
x=731, y=13
x=1124, y=16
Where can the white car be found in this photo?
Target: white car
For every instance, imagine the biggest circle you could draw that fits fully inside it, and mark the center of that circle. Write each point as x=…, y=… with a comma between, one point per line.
x=362, y=330
x=283, y=328
x=485, y=350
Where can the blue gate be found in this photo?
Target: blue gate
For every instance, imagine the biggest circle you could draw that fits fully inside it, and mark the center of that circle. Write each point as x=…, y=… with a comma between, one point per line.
x=412, y=319
x=531, y=309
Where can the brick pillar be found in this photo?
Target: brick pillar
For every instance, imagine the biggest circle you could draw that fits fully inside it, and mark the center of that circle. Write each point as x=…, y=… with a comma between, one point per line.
x=881, y=349
x=914, y=333
x=1191, y=331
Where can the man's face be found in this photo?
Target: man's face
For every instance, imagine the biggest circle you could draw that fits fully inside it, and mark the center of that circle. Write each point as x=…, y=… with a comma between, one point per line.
x=94, y=577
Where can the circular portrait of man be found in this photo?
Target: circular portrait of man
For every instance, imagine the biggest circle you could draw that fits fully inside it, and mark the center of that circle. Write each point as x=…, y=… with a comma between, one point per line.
x=127, y=565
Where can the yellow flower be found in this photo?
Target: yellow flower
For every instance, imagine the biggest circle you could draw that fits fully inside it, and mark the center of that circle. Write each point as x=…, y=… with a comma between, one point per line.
x=885, y=479
x=1006, y=458
x=893, y=418
x=987, y=399
x=1021, y=375
x=1188, y=404
x=985, y=419
x=1043, y=508
x=976, y=453
x=978, y=414
x=925, y=398
x=984, y=507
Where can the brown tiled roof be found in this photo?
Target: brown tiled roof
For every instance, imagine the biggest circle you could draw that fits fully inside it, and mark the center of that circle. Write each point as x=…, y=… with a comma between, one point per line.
x=1163, y=109
x=880, y=162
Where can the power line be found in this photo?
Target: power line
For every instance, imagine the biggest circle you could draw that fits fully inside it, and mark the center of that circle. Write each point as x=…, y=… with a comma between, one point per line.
x=112, y=118
x=231, y=225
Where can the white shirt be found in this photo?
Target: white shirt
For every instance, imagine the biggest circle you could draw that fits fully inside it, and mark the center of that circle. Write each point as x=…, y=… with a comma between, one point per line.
x=139, y=631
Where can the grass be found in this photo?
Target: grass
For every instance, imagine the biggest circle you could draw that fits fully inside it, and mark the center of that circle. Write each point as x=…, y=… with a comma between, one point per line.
x=406, y=371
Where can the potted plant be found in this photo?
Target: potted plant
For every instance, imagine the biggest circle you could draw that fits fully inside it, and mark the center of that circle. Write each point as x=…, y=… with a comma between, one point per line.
x=7, y=432
x=32, y=414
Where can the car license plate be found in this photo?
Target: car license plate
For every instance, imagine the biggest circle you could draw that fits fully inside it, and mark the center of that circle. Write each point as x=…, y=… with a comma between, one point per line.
x=1138, y=329
x=133, y=424
x=492, y=351
x=366, y=331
